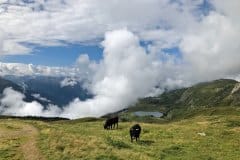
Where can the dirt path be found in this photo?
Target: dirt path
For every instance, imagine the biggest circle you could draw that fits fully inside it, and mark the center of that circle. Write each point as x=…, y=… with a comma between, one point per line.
x=27, y=135
x=29, y=147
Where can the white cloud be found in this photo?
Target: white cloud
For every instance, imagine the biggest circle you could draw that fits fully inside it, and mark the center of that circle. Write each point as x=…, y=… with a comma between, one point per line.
x=49, y=23
x=212, y=48
x=19, y=69
x=125, y=68
x=228, y=8
x=39, y=97
x=68, y=82
x=1, y=42
x=86, y=65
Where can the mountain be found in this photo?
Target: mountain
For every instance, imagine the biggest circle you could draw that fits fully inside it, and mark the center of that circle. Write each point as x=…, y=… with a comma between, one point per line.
x=4, y=83
x=223, y=92
x=49, y=89
x=217, y=93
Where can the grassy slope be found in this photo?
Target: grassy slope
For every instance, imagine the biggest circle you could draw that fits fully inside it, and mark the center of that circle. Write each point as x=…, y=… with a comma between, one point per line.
x=86, y=139
x=178, y=103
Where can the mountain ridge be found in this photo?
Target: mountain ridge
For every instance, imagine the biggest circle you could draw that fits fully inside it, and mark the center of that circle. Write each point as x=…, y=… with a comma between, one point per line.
x=45, y=89
x=176, y=103
x=50, y=88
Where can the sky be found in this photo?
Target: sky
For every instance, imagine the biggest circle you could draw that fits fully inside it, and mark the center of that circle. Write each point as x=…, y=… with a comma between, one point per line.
x=55, y=33
x=122, y=48
x=56, y=55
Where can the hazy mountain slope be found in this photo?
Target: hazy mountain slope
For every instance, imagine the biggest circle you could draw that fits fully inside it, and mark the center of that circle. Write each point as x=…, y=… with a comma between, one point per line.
x=215, y=93
x=223, y=92
x=6, y=83
x=50, y=88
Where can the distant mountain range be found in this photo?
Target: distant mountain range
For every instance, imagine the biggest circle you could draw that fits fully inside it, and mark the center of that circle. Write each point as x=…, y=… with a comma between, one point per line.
x=50, y=90
x=45, y=89
x=4, y=83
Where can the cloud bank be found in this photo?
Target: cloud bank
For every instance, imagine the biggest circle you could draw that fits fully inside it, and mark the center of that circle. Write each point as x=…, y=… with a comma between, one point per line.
x=53, y=23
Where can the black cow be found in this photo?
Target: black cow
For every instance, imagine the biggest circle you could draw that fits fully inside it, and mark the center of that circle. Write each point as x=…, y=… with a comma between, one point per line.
x=111, y=123
x=135, y=131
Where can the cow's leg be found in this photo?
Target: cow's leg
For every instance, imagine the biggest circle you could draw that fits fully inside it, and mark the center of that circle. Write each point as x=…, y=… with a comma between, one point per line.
x=131, y=139
x=117, y=125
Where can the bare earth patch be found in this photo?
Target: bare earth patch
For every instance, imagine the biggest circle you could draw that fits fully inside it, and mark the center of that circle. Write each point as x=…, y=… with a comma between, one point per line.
x=19, y=139
x=203, y=123
x=29, y=147
x=236, y=129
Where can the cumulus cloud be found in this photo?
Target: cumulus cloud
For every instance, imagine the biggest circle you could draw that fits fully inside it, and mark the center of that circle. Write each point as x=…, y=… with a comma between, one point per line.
x=1, y=42
x=212, y=49
x=87, y=66
x=39, y=97
x=125, y=68
x=68, y=82
x=50, y=23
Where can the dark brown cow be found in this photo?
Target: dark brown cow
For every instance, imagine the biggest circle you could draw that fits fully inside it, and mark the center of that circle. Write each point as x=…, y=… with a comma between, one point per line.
x=111, y=123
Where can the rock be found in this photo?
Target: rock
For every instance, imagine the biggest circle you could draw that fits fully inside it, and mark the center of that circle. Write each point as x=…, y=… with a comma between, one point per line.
x=201, y=134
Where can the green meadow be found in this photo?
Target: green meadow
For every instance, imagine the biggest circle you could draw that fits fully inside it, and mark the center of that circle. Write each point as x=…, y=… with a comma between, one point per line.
x=208, y=135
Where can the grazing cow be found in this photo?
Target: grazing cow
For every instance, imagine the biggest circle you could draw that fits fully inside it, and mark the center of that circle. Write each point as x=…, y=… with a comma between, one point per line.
x=135, y=131
x=111, y=123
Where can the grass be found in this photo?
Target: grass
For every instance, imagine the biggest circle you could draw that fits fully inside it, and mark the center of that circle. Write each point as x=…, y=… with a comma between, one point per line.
x=10, y=140
x=86, y=139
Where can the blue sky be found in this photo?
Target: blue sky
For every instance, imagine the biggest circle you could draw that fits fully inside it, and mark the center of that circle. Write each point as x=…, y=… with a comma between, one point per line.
x=56, y=56
x=67, y=55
